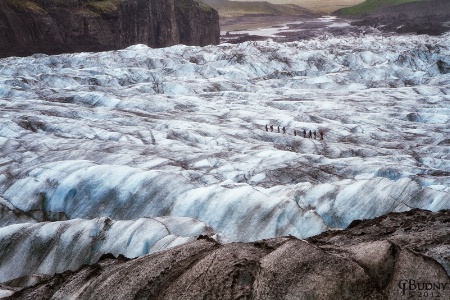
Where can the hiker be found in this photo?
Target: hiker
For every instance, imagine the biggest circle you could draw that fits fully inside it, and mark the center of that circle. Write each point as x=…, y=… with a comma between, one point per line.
x=271, y=128
x=315, y=134
x=284, y=130
x=278, y=129
x=304, y=133
x=310, y=134
x=267, y=128
x=295, y=132
x=321, y=134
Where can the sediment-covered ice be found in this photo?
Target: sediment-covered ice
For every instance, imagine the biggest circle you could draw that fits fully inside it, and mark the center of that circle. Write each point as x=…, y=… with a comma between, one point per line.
x=47, y=248
x=180, y=131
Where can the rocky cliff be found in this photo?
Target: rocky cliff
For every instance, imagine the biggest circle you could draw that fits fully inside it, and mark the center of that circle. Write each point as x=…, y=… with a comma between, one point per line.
x=398, y=256
x=57, y=26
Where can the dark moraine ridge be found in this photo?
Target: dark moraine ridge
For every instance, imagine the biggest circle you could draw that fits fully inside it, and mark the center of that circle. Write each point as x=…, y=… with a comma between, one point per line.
x=65, y=26
x=397, y=256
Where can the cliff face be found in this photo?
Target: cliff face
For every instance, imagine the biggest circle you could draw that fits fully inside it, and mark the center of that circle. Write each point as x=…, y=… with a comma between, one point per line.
x=57, y=26
x=195, y=19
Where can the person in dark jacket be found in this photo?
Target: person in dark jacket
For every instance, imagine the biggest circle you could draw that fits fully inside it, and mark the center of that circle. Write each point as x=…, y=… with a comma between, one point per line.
x=295, y=132
x=284, y=130
x=310, y=134
x=304, y=133
x=315, y=134
x=271, y=128
x=267, y=128
x=321, y=134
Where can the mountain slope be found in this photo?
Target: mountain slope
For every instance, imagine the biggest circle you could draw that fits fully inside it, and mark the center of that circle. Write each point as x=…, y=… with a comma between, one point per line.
x=236, y=8
x=421, y=17
x=369, y=6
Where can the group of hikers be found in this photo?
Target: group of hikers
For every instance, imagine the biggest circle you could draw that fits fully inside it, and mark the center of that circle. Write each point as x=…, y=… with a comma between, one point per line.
x=309, y=134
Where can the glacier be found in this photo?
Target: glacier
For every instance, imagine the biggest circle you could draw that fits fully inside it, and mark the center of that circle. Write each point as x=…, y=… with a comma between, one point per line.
x=55, y=247
x=179, y=132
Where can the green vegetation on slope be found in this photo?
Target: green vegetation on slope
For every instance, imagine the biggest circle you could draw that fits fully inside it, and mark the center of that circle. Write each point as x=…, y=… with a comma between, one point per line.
x=25, y=5
x=103, y=6
x=184, y=5
x=372, y=5
x=96, y=6
x=237, y=8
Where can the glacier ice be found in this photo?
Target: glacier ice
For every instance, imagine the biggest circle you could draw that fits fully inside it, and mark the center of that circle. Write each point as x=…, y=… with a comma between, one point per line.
x=180, y=132
x=54, y=247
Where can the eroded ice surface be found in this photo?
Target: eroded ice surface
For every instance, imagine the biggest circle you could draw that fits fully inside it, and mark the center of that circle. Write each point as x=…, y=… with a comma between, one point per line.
x=54, y=247
x=180, y=131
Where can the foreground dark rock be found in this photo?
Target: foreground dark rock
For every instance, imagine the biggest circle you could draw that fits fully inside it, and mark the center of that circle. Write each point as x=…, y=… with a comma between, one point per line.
x=420, y=231
x=53, y=27
x=391, y=257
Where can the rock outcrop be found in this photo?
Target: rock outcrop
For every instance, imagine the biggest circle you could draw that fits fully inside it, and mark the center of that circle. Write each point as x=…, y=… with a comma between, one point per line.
x=391, y=257
x=52, y=27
